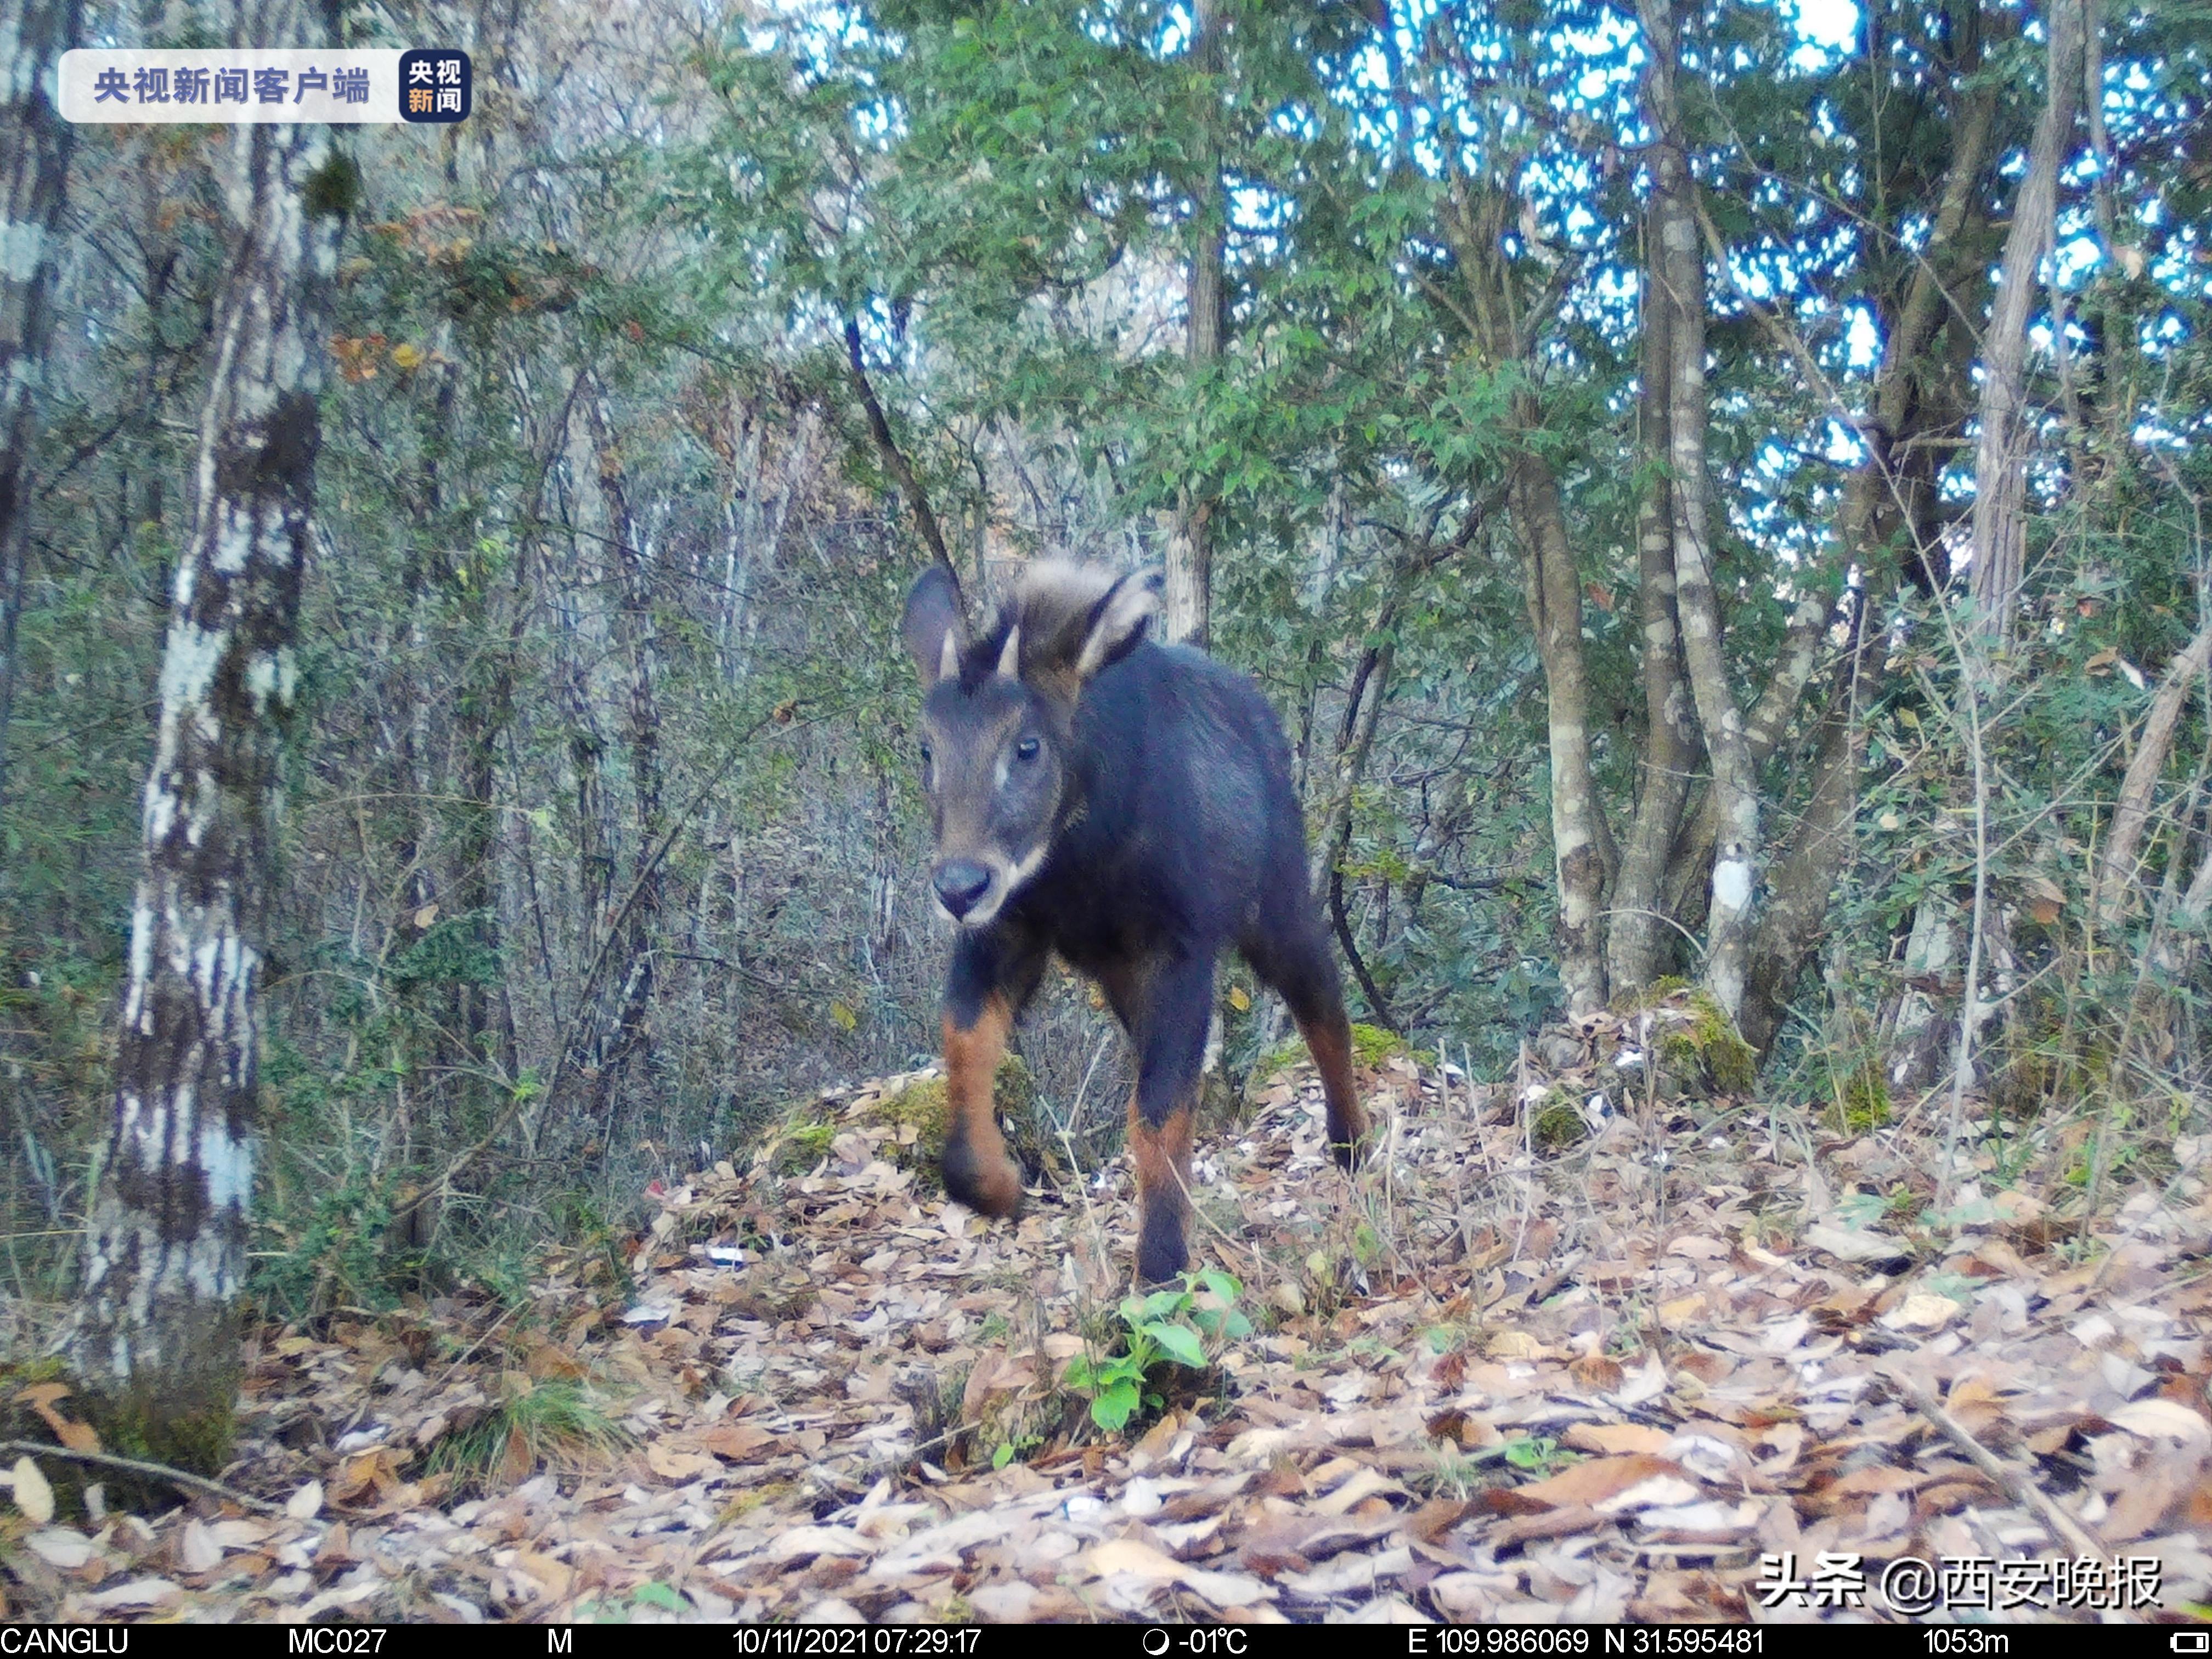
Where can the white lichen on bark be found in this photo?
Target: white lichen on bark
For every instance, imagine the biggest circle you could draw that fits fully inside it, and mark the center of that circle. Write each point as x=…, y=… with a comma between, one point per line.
x=35, y=153
x=165, y=1251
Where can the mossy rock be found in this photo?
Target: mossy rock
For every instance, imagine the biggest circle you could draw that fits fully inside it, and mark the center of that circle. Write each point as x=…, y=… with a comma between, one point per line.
x=1697, y=1045
x=801, y=1144
x=916, y=1108
x=1279, y=1060
x=1371, y=1047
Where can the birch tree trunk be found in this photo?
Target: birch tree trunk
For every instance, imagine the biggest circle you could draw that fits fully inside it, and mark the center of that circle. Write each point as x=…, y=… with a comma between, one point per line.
x=34, y=151
x=2000, y=527
x=1886, y=524
x=166, y=1242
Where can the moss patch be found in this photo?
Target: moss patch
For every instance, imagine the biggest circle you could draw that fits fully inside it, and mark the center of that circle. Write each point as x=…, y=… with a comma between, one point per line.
x=1555, y=1123
x=917, y=1110
x=181, y=1427
x=802, y=1145
x=1863, y=1099
x=333, y=190
x=1697, y=1044
x=1279, y=1060
x=1371, y=1045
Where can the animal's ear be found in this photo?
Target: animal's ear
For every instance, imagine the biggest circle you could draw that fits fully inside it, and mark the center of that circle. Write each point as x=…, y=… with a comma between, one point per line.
x=934, y=631
x=1117, y=621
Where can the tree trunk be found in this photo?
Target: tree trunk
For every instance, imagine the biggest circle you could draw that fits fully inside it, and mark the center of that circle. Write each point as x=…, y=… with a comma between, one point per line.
x=1637, y=934
x=2116, y=866
x=2000, y=526
x=34, y=151
x=1579, y=849
x=1796, y=916
x=1188, y=599
x=1892, y=489
x=165, y=1244
x=1678, y=265
x=642, y=738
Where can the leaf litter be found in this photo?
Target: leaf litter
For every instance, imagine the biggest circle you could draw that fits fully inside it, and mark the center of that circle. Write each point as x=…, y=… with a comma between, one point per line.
x=1487, y=1382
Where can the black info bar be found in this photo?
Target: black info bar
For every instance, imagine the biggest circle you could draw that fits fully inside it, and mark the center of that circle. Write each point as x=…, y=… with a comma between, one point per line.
x=1876, y=1639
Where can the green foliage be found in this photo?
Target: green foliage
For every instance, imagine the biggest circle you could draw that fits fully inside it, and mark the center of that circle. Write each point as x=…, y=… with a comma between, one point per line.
x=998, y=199
x=334, y=1254
x=1174, y=1326
x=652, y=1595
x=1863, y=1099
x=333, y=190
x=1011, y=1452
x=1460, y=1475
x=1535, y=1454
x=1371, y=1045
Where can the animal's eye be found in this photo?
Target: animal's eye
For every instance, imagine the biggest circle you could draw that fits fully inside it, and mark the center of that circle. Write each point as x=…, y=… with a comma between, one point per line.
x=1026, y=749
x=925, y=755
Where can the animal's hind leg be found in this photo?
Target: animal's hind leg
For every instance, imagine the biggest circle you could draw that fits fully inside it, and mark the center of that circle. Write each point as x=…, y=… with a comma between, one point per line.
x=1171, y=1054
x=1296, y=962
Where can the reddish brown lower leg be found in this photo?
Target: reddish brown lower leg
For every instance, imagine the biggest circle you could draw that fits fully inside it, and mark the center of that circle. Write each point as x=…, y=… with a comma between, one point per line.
x=1328, y=1040
x=1162, y=1160
x=977, y=1170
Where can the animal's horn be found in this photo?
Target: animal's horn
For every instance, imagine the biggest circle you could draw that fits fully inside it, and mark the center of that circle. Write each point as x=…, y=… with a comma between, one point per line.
x=948, y=657
x=1010, y=658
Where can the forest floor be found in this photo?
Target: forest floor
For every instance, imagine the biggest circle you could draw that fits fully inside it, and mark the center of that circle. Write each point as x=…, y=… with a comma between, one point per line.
x=1486, y=1383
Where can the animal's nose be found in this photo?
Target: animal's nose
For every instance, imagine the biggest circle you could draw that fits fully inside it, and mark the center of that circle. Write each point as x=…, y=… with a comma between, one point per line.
x=960, y=884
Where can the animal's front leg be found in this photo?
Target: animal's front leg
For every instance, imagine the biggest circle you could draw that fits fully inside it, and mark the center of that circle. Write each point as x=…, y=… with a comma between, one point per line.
x=992, y=977
x=1171, y=1058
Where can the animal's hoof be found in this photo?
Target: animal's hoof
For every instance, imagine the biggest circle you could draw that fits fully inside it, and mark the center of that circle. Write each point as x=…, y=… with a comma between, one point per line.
x=1350, y=1152
x=990, y=1187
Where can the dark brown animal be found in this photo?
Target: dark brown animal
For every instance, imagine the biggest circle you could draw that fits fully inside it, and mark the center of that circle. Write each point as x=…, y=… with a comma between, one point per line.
x=1126, y=805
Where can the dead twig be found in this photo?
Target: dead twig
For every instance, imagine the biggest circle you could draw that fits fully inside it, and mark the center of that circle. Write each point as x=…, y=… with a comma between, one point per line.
x=136, y=1466
x=2015, y=1482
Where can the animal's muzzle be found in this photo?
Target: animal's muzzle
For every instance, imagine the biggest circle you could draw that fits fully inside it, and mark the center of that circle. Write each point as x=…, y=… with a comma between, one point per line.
x=960, y=884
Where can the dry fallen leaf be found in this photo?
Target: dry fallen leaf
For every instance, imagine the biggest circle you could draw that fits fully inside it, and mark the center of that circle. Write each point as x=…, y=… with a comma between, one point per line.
x=1598, y=1481
x=1922, y=1311
x=1615, y=1437
x=59, y=1546
x=2157, y=1419
x=34, y=1497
